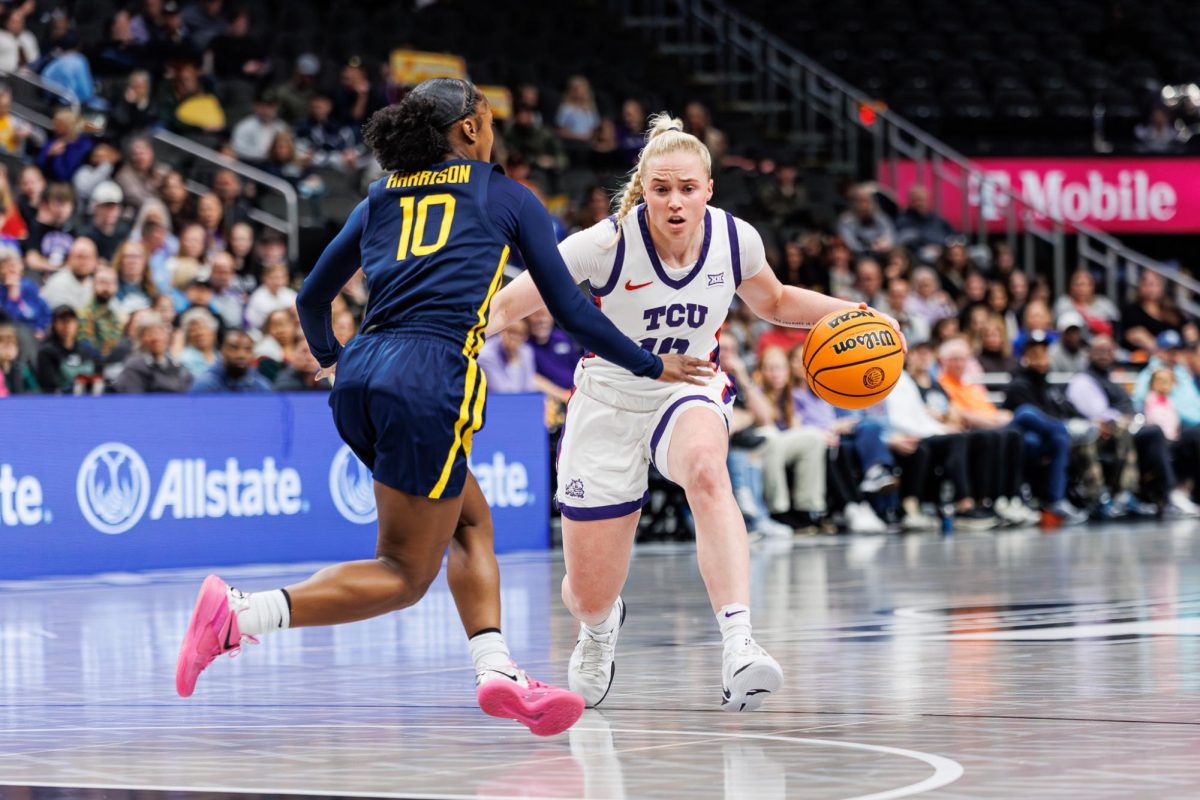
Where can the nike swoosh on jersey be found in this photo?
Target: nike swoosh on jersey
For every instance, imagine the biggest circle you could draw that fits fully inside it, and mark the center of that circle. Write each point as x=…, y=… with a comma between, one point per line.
x=631, y=286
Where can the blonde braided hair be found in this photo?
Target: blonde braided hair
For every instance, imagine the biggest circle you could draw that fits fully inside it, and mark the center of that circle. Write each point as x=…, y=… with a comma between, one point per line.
x=666, y=135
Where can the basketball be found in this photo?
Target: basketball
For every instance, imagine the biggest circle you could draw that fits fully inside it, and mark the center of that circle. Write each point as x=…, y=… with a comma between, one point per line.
x=852, y=358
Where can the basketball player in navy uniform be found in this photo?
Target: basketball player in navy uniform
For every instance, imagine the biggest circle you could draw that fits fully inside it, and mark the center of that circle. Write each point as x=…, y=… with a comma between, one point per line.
x=432, y=238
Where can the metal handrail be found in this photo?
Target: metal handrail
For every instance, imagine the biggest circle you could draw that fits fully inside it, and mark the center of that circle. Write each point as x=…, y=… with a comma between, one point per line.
x=28, y=76
x=289, y=227
x=718, y=41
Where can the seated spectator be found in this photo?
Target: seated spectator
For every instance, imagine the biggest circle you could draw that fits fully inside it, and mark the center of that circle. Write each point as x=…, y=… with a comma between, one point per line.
x=630, y=130
x=99, y=167
x=14, y=131
x=345, y=326
x=64, y=364
x=1185, y=397
x=577, y=118
x=227, y=186
x=119, y=54
x=994, y=351
x=160, y=247
x=555, y=355
x=136, y=111
x=324, y=141
x=1018, y=293
x=253, y=135
x=784, y=200
x=31, y=188
x=798, y=269
x=51, y=231
x=357, y=96
x=899, y=264
x=100, y=326
x=1159, y=134
x=140, y=178
x=301, y=374
x=274, y=349
x=67, y=150
x=152, y=368
x=185, y=265
x=283, y=161
x=896, y=305
x=953, y=266
x=780, y=336
x=16, y=375
x=294, y=97
x=210, y=215
x=929, y=301
x=72, y=285
x=1151, y=314
x=1069, y=353
x=228, y=299
x=135, y=285
x=868, y=282
x=1100, y=400
x=234, y=371
x=1004, y=453
x=247, y=268
x=540, y=148
x=838, y=263
x=698, y=121
x=274, y=294
x=179, y=203
x=1035, y=318
x=1159, y=410
x=508, y=361
x=997, y=302
x=237, y=53
x=106, y=230
x=865, y=228
x=21, y=302
x=18, y=46
x=1098, y=313
x=187, y=107
x=802, y=505
x=921, y=229
x=71, y=69
x=199, y=340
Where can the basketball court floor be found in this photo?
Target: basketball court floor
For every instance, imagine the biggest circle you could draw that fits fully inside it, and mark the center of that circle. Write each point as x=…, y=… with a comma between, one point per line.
x=1010, y=665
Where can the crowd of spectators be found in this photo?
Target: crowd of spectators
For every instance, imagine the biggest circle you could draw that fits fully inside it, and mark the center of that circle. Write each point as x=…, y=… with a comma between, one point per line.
x=122, y=275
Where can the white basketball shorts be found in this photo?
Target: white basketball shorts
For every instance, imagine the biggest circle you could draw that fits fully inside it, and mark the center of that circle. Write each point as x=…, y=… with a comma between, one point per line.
x=610, y=439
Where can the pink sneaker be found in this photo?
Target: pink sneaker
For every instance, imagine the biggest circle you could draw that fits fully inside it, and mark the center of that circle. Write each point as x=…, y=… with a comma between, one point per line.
x=546, y=710
x=212, y=631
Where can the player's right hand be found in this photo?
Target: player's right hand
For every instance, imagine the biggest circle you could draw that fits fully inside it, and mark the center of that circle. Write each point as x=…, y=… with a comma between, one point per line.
x=686, y=369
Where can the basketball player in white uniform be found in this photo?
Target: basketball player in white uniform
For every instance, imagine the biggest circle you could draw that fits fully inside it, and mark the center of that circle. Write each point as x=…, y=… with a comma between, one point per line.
x=664, y=269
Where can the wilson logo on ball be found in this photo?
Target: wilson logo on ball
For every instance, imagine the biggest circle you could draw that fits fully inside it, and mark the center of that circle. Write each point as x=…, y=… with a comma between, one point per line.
x=869, y=341
x=873, y=377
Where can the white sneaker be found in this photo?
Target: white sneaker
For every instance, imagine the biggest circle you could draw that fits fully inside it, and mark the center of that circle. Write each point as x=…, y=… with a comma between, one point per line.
x=748, y=676
x=773, y=529
x=593, y=662
x=861, y=518
x=1182, y=505
x=919, y=521
x=1017, y=511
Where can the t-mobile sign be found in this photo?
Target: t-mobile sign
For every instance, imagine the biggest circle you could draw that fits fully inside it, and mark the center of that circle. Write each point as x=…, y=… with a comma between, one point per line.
x=1121, y=195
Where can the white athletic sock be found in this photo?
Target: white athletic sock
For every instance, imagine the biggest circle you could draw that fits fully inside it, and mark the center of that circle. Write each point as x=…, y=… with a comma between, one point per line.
x=606, y=627
x=734, y=620
x=260, y=612
x=488, y=649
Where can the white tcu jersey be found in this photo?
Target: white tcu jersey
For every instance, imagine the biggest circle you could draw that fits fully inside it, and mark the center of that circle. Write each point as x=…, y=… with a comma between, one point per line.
x=665, y=310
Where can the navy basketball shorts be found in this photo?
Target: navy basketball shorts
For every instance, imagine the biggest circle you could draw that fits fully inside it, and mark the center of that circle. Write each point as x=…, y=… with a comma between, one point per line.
x=408, y=406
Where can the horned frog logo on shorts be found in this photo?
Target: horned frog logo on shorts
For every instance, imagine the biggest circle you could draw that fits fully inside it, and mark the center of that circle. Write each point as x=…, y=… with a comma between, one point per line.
x=872, y=377
x=574, y=489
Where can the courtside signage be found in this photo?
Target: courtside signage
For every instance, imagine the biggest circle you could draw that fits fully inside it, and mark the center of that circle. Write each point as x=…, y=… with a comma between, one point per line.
x=118, y=483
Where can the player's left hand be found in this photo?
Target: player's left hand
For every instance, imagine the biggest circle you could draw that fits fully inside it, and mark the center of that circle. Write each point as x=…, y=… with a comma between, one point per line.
x=890, y=321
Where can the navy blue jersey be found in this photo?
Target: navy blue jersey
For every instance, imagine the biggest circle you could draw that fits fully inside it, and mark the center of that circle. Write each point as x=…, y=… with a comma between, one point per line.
x=433, y=245
x=429, y=247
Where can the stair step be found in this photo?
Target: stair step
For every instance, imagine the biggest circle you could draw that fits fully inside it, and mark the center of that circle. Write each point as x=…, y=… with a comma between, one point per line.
x=723, y=78
x=687, y=49
x=755, y=107
x=653, y=22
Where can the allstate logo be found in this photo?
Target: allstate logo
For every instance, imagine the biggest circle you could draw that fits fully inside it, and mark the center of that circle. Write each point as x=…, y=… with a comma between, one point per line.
x=113, y=487
x=352, y=487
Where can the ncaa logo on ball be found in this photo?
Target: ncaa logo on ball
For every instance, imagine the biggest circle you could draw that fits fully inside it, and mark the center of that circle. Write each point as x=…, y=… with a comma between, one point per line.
x=352, y=487
x=113, y=487
x=873, y=377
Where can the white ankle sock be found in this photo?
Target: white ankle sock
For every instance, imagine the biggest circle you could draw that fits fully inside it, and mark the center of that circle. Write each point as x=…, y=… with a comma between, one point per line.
x=488, y=649
x=260, y=612
x=606, y=627
x=734, y=620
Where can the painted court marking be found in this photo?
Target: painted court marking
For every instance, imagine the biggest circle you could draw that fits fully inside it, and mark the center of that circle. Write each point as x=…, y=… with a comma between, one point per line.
x=945, y=770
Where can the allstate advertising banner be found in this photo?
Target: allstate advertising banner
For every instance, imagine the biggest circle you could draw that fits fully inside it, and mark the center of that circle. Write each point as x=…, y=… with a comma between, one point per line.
x=1119, y=195
x=125, y=483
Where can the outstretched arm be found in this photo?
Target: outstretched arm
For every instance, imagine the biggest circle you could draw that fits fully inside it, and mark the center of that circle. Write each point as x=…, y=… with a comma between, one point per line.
x=333, y=270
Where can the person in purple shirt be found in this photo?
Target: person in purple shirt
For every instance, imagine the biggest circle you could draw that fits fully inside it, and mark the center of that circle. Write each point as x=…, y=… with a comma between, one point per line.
x=508, y=361
x=555, y=355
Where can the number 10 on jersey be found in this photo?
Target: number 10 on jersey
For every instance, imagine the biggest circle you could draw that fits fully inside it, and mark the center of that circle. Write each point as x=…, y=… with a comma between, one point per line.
x=666, y=345
x=413, y=242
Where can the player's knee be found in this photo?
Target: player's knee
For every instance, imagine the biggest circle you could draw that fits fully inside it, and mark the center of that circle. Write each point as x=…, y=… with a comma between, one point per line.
x=707, y=477
x=409, y=582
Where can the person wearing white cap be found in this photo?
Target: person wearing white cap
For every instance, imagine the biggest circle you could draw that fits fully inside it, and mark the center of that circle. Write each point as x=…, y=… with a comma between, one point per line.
x=1069, y=353
x=107, y=229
